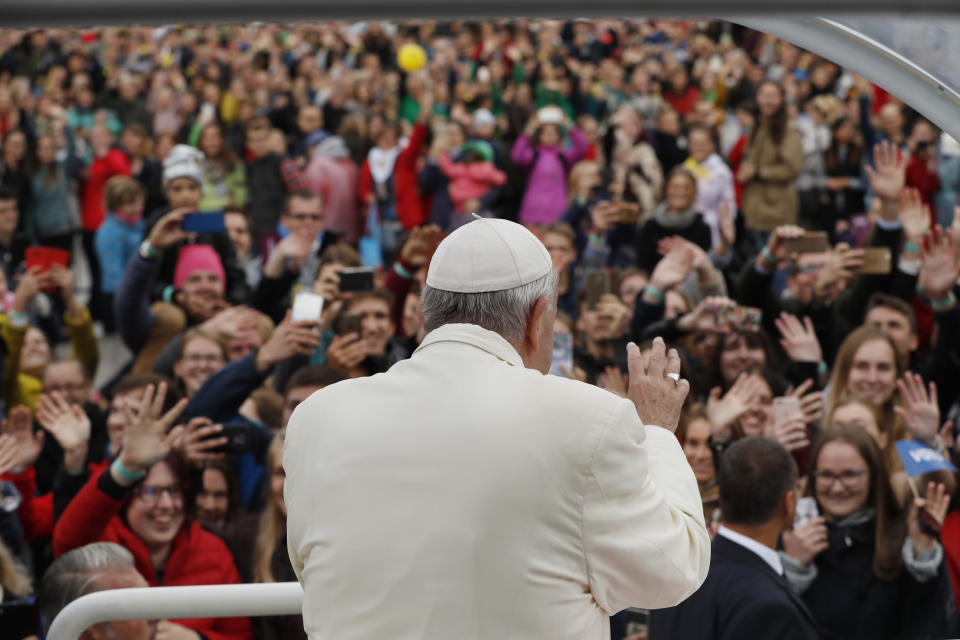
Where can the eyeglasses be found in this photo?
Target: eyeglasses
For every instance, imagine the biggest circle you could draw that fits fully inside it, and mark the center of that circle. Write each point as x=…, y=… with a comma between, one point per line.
x=66, y=387
x=849, y=479
x=196, y=358
x=151, y=495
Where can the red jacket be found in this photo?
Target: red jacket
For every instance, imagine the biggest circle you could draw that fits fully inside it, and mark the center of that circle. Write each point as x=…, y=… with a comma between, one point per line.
x=920, y=177
x=411, y=208
x=35, y=512
x=101, y=170
x=683, y=104
x=197, y=556
x=950, y=539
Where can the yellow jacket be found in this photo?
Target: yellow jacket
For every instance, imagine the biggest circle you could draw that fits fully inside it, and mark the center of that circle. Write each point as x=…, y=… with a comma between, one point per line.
x=21, y=388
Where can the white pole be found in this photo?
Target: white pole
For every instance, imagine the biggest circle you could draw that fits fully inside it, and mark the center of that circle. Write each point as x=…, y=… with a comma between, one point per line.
x=162, y=603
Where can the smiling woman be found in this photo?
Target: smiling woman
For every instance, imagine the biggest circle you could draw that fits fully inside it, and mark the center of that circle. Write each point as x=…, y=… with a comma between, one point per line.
x=201, y=356
x=141, y=502
x=856, y=565
x=867, y=369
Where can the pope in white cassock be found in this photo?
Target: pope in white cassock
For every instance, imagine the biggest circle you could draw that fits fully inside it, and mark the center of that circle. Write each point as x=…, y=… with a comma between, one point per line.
x=465, y=494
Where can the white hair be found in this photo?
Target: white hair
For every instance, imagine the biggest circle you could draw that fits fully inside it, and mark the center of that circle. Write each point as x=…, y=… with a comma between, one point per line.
x=77, y=573
x=505, y=312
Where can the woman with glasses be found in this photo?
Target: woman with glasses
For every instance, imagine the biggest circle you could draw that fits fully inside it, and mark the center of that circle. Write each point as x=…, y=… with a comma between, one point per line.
x=140, y=502
x=201, y=356
x=867, y=568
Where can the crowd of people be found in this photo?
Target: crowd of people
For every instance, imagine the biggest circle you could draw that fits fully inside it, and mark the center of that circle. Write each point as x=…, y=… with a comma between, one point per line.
x=787, y=226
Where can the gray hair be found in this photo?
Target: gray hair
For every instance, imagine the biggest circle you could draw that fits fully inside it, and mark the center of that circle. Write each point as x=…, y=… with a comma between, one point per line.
x=77, y=573
x=505, y=312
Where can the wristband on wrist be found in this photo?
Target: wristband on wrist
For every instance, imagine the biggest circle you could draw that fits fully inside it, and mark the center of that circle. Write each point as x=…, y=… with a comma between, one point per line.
x=944, y=305
x=653, y=292
x=768, y=256
x=401, y=271
x=911, y=247
x=148, y=251
x=597, y=240
x=125, y=473
x=822, y=368
x=18, y=319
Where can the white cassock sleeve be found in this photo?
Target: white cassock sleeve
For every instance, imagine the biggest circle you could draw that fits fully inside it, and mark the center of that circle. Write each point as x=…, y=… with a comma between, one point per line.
x=644, y=535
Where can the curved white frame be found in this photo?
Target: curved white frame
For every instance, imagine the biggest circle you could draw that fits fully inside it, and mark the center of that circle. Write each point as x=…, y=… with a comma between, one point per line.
x=165, y=603
x=878, y=63
x=873, y=60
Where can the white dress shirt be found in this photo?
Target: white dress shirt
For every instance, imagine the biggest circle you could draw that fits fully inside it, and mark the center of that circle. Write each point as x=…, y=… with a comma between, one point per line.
x=768, y=555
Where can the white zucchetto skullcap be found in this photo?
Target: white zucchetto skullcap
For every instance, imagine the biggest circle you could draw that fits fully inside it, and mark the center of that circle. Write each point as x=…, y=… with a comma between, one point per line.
x=488, y=255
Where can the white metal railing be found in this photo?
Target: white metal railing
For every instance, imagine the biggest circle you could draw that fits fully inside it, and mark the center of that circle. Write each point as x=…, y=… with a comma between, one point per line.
x=162, y=603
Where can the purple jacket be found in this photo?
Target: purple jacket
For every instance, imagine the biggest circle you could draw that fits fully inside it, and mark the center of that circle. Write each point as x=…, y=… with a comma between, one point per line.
x=545, y=198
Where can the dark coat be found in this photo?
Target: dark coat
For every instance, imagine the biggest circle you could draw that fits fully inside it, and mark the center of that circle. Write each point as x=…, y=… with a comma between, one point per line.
x=848, y=599
x=741, y=598
x=268, y=193
x=652, y=232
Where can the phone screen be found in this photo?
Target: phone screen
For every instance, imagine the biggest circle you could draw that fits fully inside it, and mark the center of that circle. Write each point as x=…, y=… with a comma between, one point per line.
x=239, y=437
x=349, y=323
x=876, y=261
x=356, y=279
x=786, y=408
x=562, y=353
x=212, y=222
x=810, y=242
x=806, y=511
x=307, y=307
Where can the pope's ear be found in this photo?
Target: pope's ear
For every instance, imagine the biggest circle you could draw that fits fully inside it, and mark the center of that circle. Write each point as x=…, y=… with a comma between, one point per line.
x=533, y=331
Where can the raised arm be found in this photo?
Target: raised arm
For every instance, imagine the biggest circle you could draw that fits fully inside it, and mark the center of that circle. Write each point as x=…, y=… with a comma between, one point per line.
x=643, y=527
x=131, y=305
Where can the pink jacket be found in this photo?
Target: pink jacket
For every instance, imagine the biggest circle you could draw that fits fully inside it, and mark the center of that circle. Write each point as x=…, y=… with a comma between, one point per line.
x=469, y=181
x=337, y=180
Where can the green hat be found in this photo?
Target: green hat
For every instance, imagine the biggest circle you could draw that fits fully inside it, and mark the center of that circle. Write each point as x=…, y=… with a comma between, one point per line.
x=480, y=147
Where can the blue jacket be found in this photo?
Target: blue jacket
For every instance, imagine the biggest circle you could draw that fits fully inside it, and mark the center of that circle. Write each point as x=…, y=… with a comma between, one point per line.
x=219, y=399
x=116, y=241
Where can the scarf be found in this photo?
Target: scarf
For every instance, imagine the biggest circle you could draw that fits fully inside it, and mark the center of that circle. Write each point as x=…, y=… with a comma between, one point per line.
x=699, y=171
x=673, y=219
x=381, y=162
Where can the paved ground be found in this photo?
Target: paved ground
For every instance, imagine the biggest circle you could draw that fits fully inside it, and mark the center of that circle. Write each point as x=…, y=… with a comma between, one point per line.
x=113, y=353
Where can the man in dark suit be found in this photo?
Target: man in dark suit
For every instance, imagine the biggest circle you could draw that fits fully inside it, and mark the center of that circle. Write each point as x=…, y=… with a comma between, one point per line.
x=745, y=594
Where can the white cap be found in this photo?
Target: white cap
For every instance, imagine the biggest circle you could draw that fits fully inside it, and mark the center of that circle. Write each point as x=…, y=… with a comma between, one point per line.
x=183, y=161
x=488, y=255
x=483, y=118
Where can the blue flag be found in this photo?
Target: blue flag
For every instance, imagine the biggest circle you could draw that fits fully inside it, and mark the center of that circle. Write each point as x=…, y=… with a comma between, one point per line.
x=919, y=459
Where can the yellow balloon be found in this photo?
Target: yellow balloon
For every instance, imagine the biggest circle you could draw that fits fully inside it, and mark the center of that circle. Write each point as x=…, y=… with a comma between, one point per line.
x=411, y=57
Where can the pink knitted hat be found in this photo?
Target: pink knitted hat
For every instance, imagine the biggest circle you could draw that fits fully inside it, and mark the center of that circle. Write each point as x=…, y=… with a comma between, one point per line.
x=197, y=257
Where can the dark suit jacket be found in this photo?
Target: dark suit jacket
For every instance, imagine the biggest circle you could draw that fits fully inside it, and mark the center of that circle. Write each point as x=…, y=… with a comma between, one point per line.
x=742, y=598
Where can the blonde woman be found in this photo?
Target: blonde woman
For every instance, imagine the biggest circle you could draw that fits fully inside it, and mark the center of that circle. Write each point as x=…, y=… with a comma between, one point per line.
x=867, y=369
x=271, y=563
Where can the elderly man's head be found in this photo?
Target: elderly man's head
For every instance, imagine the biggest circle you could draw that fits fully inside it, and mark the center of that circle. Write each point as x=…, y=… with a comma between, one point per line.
x=95, y=567
x=499, y=276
